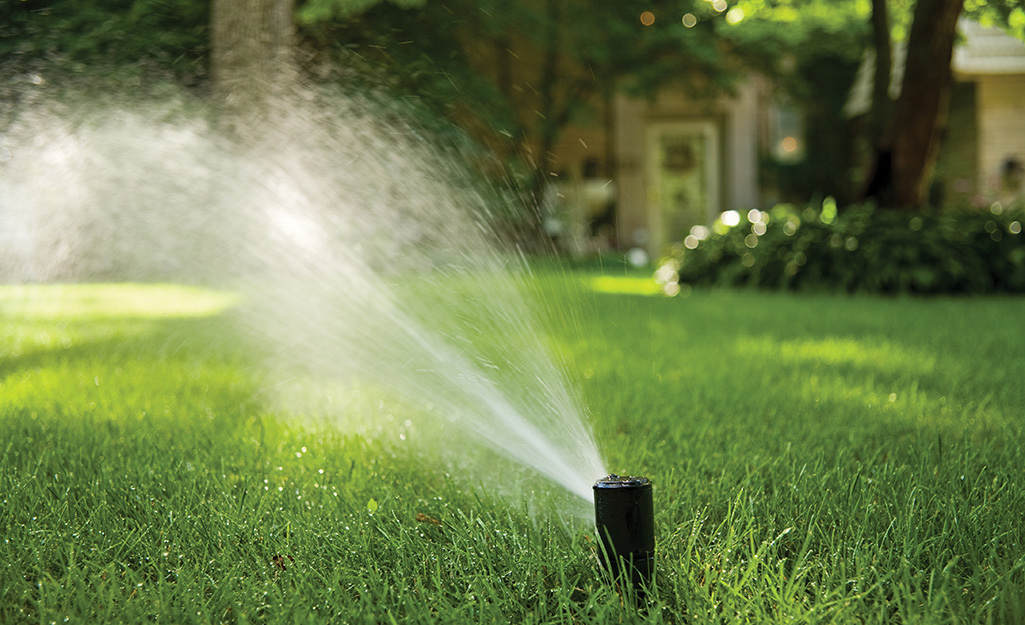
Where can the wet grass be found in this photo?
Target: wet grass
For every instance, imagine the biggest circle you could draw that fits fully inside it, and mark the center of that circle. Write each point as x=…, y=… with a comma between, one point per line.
x=816, y=460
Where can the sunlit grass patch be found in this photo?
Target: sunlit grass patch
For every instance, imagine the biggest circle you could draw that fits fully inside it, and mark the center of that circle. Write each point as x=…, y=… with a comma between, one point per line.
x=92, y=301
x=625, y=285
x=76, y=349
x=836, y=351
x=53, y=318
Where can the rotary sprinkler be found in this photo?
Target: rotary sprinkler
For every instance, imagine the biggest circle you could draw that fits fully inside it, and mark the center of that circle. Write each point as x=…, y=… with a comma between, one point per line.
x=625, y=518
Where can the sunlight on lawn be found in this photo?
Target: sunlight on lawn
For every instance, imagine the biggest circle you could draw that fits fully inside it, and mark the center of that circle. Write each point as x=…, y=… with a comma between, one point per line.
x=90, y=301
x=78, y=349
x=625, y=285
x=60, y=316
x=854, y=374
x=837, y=351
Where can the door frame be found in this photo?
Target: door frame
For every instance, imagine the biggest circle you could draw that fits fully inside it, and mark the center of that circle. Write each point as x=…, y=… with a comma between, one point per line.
x=652, y=174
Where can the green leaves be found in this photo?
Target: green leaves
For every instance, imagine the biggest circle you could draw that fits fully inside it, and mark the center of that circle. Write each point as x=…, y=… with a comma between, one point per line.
x=1008, y=14
x=171, y=34
x=860, y=249
x=315, y=11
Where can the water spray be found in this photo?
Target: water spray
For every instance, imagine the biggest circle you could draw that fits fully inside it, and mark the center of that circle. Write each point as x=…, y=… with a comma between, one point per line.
x=625, y=518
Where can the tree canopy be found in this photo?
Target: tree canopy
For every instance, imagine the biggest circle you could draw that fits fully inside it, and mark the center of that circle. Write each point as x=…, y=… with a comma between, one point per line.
x=318, y=11
x=81, y=35
x=516, y=72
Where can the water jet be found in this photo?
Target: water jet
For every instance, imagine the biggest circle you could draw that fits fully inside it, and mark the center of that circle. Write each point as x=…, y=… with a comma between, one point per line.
x=624, y=518
x=363, y=265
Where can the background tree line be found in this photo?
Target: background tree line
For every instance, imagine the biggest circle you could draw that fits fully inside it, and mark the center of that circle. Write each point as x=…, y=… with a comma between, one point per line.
x=515, y=73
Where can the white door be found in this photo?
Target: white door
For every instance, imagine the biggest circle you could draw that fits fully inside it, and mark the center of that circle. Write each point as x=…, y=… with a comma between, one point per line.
x=682, y=179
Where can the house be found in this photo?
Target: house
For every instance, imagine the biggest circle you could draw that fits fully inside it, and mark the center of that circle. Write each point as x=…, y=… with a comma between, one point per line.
x=678, y=162
x=983, y=147
x=674, y=162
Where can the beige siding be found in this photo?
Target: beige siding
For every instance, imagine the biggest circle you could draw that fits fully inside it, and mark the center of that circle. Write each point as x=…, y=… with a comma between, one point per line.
x=742, y=136
x=632, y=201
x=1001, y=108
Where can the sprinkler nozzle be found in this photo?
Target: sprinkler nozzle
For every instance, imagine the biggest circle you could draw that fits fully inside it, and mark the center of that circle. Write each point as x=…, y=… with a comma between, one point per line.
x=624, y=515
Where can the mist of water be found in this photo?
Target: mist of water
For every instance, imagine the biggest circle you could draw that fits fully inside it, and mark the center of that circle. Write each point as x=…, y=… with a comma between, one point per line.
x=367, y=254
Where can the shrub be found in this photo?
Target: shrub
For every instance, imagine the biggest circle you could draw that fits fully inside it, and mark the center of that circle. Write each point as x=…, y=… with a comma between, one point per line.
x=859, y=249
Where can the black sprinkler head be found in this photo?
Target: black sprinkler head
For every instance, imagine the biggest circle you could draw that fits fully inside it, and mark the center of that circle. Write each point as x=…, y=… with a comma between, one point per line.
x=625, y=518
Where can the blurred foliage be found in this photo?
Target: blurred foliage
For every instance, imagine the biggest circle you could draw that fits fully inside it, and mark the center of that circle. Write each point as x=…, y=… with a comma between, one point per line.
x=313, y=11
x=811, y=50
x=515, y=73
x=113, y=36
x=512, y=73
x=780, y=30
x=859, y=249
x=1006, y=14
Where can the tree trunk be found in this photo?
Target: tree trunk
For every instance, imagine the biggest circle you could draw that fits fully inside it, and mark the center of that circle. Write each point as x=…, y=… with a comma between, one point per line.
x=879, y=181
x=922, y=107
x=881, y=121
x=251, y=59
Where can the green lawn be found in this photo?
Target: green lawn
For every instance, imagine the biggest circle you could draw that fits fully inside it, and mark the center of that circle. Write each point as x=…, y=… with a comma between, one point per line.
x=816, y=459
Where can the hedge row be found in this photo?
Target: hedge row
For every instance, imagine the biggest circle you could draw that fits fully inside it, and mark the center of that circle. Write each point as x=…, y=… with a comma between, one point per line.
x=858, y=249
